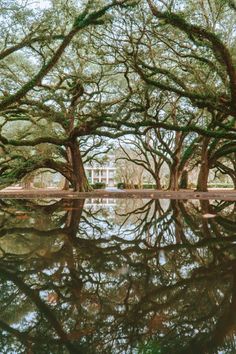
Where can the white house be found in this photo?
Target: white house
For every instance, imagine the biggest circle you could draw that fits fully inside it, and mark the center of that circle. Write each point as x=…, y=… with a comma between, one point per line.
x=104, y=173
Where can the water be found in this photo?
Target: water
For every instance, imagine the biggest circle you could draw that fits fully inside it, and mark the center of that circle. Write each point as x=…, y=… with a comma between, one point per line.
x=117, y=276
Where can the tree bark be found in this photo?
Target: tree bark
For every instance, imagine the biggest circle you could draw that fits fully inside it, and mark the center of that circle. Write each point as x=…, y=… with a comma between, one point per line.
x=175, y=167
x=205, y=168
x=158, y=182
x=157, y=175
x=66, y=185
x=174, y=177
x=80, y=181
x=184, y=179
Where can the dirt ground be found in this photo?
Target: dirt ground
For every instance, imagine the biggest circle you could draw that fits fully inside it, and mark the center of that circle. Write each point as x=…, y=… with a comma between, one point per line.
x=219, y=194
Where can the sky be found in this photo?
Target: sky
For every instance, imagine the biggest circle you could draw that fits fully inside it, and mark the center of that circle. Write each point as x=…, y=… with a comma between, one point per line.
x=42, y=4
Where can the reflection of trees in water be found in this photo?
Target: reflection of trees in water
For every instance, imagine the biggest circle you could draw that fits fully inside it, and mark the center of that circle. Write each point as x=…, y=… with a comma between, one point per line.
x=100, y=282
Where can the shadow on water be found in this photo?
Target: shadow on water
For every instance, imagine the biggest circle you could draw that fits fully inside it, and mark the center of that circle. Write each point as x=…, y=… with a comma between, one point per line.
x=127, y=276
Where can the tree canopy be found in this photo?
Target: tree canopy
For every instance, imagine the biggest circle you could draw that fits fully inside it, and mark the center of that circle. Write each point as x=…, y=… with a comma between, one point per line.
x=161, y=72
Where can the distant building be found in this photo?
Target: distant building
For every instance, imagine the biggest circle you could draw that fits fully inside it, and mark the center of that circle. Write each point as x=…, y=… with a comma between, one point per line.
x=103, y=173
x=98, y=202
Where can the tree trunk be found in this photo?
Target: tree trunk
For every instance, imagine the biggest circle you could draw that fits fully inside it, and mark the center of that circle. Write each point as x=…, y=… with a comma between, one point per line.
x=234, y=182
x=157, y=175
x=175, y=168
x=80, y=181
x=27, y=181
x=66, y=185
x=234, y=167
x=174, y=177
x=67, y=182
x=158, y=182
x=184, y=180
x=204, y=169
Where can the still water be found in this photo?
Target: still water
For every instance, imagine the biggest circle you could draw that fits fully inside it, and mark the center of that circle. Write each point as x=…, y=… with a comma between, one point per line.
x=117, y=276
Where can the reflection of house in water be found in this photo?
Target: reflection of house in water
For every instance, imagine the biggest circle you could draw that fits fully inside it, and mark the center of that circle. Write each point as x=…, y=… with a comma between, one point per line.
x=104, y=202
x=102, y=173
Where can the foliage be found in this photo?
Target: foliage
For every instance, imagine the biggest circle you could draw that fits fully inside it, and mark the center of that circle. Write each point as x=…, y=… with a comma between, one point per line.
x=76, y=74
x=98, y=185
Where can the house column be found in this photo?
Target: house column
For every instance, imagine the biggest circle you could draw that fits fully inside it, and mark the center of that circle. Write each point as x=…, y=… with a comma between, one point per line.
x=107, y=177
x=100, y=175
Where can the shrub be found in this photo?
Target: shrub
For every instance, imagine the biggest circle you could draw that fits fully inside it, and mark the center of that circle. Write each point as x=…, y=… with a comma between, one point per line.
x=37, y=185
x=99, y=185
x=149, y=186
x=120, y=185
x=220, y=185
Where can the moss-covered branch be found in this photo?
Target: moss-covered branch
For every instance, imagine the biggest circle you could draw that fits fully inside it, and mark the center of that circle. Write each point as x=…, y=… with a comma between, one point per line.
x=82, y=21
x=220, y=50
